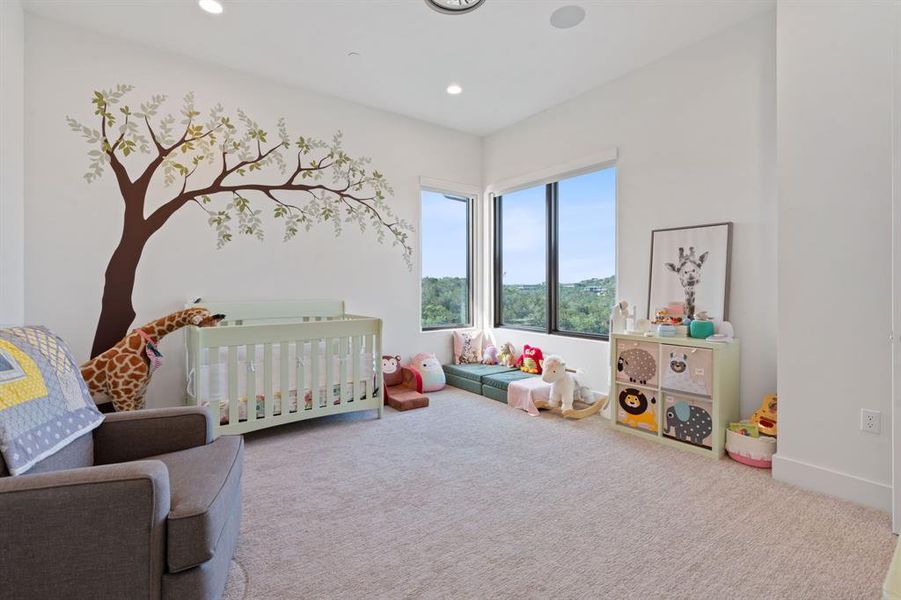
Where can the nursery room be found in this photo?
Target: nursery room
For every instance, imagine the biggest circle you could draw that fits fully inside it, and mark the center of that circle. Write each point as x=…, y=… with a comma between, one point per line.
x=450, y=299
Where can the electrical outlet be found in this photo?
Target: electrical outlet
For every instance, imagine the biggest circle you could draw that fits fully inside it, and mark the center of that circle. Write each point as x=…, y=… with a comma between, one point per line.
x=870, y=420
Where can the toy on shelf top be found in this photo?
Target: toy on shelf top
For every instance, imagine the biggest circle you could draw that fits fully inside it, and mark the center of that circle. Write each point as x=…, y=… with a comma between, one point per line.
x=621, y=318
x=664, y=317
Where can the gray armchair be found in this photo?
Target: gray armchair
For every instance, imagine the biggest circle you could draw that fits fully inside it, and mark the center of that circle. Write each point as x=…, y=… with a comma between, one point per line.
x=145, y=506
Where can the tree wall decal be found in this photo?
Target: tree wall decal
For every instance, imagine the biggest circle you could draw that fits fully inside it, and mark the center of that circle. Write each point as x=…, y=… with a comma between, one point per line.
x=239, y=161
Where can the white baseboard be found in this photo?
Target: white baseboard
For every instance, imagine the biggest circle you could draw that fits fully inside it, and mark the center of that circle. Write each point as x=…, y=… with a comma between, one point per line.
x=834, y=483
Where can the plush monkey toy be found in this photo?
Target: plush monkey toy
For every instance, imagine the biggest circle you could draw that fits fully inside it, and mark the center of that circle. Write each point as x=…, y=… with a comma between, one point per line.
x=391, y=370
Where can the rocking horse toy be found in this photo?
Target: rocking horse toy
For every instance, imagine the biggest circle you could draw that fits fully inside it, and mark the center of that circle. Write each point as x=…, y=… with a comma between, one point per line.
x=567, y=397
x=123, y=372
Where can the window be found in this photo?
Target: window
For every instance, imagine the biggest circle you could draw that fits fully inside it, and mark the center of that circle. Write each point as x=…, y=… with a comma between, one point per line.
x=522, y=223
x=446, y=260
x=555, y=256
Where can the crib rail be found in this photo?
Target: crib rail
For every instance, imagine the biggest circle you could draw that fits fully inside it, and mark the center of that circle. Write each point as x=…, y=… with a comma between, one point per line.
x=260, y=311
x=264, y=387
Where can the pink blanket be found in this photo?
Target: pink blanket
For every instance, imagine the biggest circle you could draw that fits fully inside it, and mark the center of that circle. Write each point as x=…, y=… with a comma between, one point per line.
x=523, y=394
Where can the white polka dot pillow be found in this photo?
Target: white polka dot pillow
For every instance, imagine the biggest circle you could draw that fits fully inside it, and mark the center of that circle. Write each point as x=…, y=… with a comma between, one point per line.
x=44, y=402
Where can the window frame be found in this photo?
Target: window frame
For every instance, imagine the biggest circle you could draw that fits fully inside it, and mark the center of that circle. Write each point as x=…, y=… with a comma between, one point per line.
x=469, y=200
x=552, y=266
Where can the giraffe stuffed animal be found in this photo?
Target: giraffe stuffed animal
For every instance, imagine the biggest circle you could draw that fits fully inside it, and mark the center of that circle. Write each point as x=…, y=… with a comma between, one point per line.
x=123, y=372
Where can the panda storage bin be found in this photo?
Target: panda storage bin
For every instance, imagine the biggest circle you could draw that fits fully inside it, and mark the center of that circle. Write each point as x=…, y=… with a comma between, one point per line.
x=755, y=452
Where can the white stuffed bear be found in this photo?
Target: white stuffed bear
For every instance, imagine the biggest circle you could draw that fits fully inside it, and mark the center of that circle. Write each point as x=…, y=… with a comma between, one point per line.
x=563, y=385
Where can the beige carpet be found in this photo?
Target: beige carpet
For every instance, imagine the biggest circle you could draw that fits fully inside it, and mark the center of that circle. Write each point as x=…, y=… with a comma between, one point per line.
x=471, y=499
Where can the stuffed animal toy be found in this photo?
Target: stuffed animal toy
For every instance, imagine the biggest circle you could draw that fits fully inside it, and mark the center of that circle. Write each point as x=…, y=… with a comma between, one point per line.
x=391, y=370
x=765, y=417
x=563, y=386
x=403, y=385
x=530, y=360
x=123, y=372
x=428, y=367
x=507, y=355
x=489, y=357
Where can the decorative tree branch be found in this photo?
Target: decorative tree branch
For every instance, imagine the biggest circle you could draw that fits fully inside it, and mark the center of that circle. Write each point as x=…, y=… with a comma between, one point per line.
x=238, y=158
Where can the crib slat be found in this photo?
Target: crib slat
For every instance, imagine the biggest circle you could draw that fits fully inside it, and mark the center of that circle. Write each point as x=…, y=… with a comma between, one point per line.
x=250, y=356
x=342, y=367
x=355, y=353
x=213, y=393
x=328, y=371
x=232, y=367
x=268, y=401
x=377, y=358
x=283, y=377
x=298, y=370
x=367, y=347
x=315, y=380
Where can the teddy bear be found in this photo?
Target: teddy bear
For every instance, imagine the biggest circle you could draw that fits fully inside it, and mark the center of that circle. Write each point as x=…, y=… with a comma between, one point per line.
x=531, y=359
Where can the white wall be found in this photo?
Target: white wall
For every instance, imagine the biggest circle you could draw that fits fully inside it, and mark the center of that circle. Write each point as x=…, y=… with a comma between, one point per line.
x=72, y=227
x=695, y=133
x=835, y=215
x=12, y=202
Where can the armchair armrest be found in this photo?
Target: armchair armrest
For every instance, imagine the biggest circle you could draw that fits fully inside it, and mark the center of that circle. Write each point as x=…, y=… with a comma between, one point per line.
x=128, y=436
x=95, y=532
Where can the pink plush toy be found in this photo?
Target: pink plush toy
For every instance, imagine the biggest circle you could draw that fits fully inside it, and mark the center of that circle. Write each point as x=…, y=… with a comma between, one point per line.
x=428, y=367
x=489, y=357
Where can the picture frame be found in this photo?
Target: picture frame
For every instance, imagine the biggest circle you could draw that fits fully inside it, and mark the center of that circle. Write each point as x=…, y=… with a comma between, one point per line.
x=691, y=265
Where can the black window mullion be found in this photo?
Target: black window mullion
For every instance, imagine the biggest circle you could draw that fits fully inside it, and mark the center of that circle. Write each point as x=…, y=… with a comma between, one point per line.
x=551, y=277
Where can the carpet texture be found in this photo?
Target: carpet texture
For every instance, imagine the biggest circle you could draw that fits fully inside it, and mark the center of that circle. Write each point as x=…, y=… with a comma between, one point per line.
x=471, y=499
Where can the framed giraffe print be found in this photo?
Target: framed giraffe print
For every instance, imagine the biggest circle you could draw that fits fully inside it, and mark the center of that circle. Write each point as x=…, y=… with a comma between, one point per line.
x=690, y=270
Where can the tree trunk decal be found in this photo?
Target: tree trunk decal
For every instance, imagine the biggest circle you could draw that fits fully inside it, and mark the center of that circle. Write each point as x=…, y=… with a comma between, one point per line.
x=213, y=159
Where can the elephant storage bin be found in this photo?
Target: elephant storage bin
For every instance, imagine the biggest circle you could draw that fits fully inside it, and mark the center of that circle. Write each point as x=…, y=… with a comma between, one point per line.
x=688, y=419
x=682, y=392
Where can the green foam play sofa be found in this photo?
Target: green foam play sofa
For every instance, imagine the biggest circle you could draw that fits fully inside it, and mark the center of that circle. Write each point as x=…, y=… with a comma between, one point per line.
x=490, y=381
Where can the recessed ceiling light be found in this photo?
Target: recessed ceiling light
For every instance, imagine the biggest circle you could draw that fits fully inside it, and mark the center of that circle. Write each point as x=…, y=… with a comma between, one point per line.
x=454, y=89
x=454, y=7
x=567, y=17
x=214, y=7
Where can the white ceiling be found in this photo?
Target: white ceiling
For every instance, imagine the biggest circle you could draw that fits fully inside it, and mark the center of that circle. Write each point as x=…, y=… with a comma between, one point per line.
x=509, y=60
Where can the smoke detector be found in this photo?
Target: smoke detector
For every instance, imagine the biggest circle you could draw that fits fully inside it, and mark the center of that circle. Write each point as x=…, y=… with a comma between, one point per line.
x=454, y=7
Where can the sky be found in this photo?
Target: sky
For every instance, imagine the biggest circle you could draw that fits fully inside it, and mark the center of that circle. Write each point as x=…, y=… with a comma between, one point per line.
x=587, y=215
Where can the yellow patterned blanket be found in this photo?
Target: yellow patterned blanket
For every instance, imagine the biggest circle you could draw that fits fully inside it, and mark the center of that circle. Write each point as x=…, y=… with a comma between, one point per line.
x=44, y=403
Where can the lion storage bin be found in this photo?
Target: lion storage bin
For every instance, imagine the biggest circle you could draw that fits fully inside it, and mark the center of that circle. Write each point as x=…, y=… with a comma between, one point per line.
x=756, y=452
x=636, y=362
x=636, y=408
